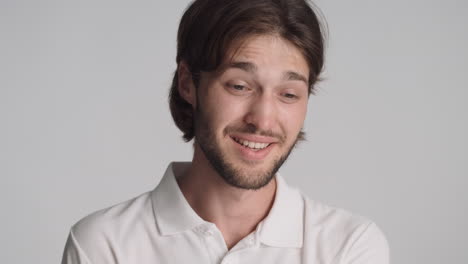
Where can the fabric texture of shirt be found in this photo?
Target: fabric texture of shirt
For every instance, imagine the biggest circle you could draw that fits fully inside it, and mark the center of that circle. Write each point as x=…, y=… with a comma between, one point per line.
x=161, y=227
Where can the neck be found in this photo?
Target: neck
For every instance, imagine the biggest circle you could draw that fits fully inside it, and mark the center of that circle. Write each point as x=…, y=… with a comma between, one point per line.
x=236, y=212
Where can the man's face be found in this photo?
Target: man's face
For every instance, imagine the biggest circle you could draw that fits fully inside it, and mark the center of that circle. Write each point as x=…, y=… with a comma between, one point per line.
x=249, y=114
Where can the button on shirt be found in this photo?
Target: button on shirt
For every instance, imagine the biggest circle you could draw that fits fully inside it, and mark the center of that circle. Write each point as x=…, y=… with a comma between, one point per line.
x=161, y=227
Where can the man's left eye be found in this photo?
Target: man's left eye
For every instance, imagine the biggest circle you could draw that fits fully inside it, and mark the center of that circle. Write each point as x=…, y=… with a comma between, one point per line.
x=290, y=95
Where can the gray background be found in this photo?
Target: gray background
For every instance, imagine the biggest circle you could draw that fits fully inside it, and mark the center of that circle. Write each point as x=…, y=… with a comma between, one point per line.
x=85, y=122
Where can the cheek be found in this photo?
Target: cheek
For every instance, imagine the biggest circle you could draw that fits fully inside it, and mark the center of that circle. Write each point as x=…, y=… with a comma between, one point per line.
x=223, y=112
x=292, y=117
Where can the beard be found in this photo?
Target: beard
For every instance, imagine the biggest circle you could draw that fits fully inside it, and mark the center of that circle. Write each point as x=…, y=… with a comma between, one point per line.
x=236, y=175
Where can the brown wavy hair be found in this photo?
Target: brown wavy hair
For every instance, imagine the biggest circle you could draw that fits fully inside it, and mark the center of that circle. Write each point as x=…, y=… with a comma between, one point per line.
x=209, y=28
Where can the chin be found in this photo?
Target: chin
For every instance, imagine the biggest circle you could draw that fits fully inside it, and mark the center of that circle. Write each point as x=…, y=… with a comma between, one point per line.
x=250, y=175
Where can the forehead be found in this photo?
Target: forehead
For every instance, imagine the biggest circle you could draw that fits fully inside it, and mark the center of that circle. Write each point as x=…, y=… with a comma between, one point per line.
x=267, y=50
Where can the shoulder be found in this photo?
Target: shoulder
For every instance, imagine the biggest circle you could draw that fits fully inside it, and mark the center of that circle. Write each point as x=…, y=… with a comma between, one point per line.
x=343, y=236
x=116, y=217
x=323, y=216
x=113, y=227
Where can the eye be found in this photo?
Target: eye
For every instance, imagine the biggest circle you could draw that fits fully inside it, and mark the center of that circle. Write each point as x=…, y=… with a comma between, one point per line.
x=238, y=88
x=290, y=95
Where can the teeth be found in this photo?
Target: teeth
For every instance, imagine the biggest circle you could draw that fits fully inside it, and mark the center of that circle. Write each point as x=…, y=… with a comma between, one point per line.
x=252, y=145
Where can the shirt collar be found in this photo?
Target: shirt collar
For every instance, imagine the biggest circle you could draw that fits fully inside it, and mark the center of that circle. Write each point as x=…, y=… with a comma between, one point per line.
x=171, y=210
x=283, y=227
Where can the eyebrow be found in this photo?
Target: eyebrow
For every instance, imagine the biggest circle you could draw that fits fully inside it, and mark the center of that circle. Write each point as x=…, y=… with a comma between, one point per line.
x=252, y=68
x=294, y=76
x=245, y=66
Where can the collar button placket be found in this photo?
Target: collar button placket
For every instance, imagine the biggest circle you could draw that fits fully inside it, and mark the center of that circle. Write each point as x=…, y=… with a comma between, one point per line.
x=206, y=230
x=251, y=241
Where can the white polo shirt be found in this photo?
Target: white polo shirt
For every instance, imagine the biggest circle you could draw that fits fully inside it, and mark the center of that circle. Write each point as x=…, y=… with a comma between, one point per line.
x=161, y=227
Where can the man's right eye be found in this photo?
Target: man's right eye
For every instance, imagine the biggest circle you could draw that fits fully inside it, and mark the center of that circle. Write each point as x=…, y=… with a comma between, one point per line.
x=238, y=87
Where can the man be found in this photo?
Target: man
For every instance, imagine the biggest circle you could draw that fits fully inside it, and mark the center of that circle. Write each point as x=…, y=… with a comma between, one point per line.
x=245, y=71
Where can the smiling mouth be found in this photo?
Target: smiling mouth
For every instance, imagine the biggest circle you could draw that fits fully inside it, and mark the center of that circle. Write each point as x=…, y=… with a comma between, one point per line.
x=255, y=146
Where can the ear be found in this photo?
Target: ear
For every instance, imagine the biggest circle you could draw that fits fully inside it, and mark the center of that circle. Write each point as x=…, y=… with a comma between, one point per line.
x=185, y=85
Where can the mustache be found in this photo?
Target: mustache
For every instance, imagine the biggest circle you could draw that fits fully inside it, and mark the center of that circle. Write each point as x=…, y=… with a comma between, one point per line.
x=252, y=129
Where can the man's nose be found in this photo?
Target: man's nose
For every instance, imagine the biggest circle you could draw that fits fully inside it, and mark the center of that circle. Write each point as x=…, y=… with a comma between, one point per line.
x=262, y=113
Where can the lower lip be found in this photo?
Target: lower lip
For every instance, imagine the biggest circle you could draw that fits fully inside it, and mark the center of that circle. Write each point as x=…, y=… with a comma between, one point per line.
x=249, y=154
